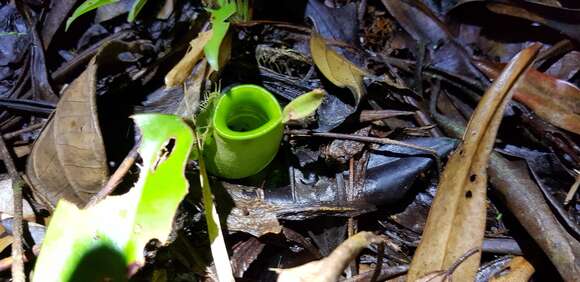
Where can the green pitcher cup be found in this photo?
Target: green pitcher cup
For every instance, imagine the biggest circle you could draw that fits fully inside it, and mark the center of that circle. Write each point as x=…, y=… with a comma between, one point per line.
x=247, y=130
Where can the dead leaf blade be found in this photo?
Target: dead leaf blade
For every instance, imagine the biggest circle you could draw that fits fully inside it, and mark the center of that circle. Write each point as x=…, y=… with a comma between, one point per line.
x=68, y=160
x=329, y=268
x=554, y=100
x=179, y=73
x=456, y=220
x=336, y=68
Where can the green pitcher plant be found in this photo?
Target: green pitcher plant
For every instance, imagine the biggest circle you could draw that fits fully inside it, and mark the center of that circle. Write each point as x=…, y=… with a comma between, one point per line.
x=247, y=126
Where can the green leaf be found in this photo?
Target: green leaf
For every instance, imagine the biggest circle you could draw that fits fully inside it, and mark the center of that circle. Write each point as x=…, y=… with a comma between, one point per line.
x=220, y=27
x=103, y=240
x=217, y=243
x=135, y=9
x=86, y=7
x=303, y=106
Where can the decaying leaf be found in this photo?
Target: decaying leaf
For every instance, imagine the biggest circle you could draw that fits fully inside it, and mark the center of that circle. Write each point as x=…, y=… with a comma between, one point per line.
x=560, y=19
x=456, y=221
x=336, y=68
x=193, y=88
x=556, y=101
x=106, y=241
x=68, y=159
x=445, y=52
x=303, y=106
x=330, y=268
x=182, y=70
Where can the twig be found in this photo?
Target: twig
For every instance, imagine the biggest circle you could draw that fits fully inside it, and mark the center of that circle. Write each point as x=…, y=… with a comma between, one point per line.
x=380, y=255
x=358, y=138
x=372, y=115
x=116, y=178
x=573, y=190
x=543, y=62
x=384, y=274
x=17, y=183
x=33, y=127
x=461, y=259
x=275, y=23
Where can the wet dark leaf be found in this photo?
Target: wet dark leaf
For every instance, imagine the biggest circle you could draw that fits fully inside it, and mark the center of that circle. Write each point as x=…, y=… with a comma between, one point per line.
x=339, y=24
x=244, y=254
x=392, y=170
x=445, y=52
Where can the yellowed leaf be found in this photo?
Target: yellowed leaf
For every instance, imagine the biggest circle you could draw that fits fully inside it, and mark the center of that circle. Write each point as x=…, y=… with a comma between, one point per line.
x=336, y=68
x=456, y=221
x=329, y=268
x=179, y=73
x=520, y=270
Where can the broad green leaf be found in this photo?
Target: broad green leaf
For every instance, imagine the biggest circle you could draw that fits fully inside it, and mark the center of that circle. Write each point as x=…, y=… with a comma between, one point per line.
x=220, y=27
x=303, y=106
x=104, y=240
x=86, y=7
x=135, y=9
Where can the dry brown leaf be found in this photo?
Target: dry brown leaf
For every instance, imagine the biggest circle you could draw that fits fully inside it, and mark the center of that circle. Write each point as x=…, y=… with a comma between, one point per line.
x=179, y=73
x=68, y=159
x=456, y=221
x=330, y=268
x=192, y=90
x=520, y=270
x=556, y=101
x=336, y=68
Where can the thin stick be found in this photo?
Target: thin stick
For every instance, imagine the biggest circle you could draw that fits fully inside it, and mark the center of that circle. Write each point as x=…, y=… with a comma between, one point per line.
x=17, y=183
x=116, y=178
x=13, y=134
x=380, y=256
x=377, y=140
x=573, y=190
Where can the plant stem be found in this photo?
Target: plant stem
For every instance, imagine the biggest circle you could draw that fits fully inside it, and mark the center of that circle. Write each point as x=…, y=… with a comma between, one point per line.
x=116, y=178
x=17, y=183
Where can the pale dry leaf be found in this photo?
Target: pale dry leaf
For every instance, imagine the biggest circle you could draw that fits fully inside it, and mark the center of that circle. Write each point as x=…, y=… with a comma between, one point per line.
x=520, y=270
x=179, y=73
x=456, y=220
x=330, y=268
x=336, y=68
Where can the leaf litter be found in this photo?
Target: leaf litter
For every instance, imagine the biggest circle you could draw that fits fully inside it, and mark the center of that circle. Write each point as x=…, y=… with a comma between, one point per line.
x=375, y=97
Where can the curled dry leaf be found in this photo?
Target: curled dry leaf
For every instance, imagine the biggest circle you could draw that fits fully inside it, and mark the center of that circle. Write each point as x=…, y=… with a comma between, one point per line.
x=336, y=68
x=329, y=268
x=554, y=100
x=68, y=159
x=179, y=73
x=456, y=221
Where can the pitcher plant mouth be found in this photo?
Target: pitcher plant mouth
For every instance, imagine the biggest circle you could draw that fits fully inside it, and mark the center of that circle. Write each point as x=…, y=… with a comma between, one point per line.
x=246, y=112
